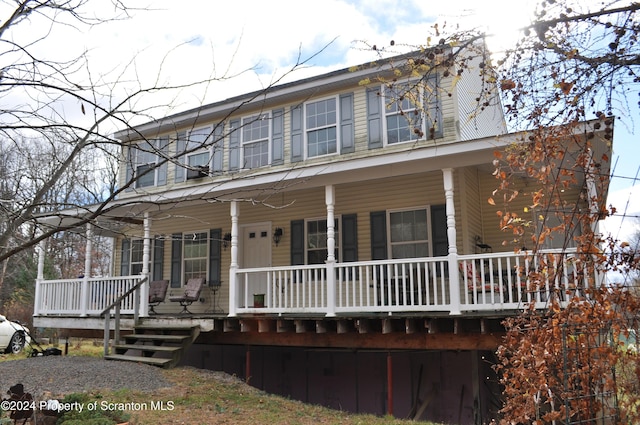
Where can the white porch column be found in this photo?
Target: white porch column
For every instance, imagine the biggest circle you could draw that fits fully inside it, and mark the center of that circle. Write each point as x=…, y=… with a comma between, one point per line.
x=84, y=293
x=233, y=267
x=330, y=200
x=40, y=248
x=454, y=275
x=146, y=258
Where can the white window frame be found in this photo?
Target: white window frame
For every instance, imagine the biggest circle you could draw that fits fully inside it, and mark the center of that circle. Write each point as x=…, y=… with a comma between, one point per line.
x=429, y=239
x=556, y=239
x=336, y=125
x=338, y=226
x=245, y=125
x=206, y=140
x=137, y=245
x=188, y=237
x=389, y=100
x=139, y=160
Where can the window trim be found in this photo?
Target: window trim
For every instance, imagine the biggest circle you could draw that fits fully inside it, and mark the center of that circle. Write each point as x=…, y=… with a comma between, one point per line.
x=337, y=236
x=189, y=236
x=337, y=125
x=429, y=241
x=436, y=112
x=208, y=133
x=137, y=151
x=243, y=126
x=140, y=241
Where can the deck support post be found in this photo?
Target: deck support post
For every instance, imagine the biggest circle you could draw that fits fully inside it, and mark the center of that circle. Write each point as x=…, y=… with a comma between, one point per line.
x=84, y=291
x=330, y=200
x=389, y=384
x=454, y=276
x=233, y=267
x=142, y=295
x=247, y=377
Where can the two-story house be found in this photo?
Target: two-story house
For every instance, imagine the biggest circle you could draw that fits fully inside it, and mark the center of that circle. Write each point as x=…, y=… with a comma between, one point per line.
x=340, y=228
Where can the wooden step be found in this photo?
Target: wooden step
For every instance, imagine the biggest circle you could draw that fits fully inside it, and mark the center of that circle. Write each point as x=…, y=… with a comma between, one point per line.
x=179, y=339
x=156, y=361
x=148, y=348
x=162, y=327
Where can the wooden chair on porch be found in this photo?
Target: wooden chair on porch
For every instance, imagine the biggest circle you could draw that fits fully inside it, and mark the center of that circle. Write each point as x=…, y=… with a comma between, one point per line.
x=157, y=293
x=191, y=293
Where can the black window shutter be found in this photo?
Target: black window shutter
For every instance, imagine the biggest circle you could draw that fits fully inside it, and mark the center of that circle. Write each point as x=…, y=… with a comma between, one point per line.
x=297, y=242
x=125, y=258
x=215, y=256
x=277, y=137
x=297, y=136
x=176, y=260
x=374, y=117
x=158, y=258
x=379, y=235
x=349, y=237
x=347, y=137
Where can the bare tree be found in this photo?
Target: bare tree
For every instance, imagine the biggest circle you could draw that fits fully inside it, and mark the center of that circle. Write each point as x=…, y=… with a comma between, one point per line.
x=61, y=116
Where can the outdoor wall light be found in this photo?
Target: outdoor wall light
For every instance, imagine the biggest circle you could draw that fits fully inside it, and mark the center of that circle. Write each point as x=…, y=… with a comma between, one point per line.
x=226, y=240
x=277, y=235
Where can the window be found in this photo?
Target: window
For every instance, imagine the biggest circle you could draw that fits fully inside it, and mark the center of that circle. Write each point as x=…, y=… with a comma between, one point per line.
x=316, y=241
x=411, y=113
x=137, y=248
x=563, y=226
x=255, y=141
x=321, y=127
x=144, y=162
x=197, y=146
x=409, y=233
x=195, y=255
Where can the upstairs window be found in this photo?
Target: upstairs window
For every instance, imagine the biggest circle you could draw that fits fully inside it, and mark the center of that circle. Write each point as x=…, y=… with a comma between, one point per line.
x=144, y=160
x=406, y=112
x=321, y=127
x=403, y=119
x=255, y=140
x=198, y=147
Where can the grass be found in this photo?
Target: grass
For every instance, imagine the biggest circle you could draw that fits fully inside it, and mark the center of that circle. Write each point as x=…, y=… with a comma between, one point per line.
x=198, y=397
x=205, y=397
x=77, y=347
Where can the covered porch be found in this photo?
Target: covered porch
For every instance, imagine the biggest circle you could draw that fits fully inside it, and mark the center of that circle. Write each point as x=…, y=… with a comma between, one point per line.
x=457, y=277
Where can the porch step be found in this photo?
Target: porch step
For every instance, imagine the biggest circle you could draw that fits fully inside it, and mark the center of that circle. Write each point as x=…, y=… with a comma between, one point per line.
x=155, y=361
x=157, y=345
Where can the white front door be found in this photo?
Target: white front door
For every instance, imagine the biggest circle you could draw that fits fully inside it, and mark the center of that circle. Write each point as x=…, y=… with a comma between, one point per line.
x=255, y=252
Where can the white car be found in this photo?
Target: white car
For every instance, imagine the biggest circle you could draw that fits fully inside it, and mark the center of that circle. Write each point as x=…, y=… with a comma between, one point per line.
x=13, y=336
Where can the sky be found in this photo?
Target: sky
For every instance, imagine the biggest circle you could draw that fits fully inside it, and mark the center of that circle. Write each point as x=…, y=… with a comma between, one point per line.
x=247, y=44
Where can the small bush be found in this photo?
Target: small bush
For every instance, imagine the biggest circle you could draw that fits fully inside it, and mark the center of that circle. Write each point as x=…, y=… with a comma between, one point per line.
x=89, y=417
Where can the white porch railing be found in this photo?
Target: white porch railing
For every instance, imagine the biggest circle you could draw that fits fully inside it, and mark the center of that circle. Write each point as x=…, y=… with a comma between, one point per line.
x=83, y=296
x=493, y=281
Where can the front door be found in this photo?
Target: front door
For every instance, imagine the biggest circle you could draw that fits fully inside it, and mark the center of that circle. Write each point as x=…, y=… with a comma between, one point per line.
x=255, y=252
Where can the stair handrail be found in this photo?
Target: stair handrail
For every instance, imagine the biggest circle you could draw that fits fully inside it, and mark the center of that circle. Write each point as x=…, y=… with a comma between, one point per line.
x=117, y=303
